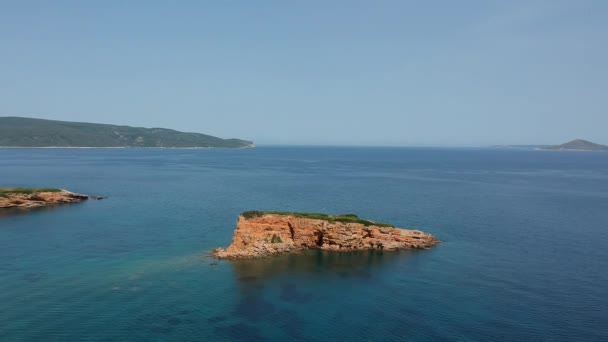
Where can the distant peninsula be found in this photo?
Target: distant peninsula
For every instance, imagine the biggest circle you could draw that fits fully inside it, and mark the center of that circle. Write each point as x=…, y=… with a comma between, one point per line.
x=30, y=132
x=577, y=145
x=266, y=233
x=38, y=197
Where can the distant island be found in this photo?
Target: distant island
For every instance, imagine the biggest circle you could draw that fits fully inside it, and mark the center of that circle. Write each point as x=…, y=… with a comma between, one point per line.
x=38, y=197
x=29, y=132
x=577, y=145
x=265, y=233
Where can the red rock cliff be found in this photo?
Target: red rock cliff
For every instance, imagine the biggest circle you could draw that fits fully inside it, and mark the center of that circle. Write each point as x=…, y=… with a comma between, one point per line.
x=276, y=233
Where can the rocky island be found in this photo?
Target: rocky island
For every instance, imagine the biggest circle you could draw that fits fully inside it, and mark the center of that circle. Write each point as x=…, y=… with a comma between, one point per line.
x=40, y=197
x=577, y=145
x=265, y=233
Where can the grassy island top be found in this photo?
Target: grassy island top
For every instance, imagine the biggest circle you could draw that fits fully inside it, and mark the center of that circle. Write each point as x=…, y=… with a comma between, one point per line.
x=4, y=192
x=347, y=218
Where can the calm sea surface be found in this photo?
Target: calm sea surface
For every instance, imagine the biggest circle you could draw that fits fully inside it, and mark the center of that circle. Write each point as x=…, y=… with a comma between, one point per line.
x=524, y=257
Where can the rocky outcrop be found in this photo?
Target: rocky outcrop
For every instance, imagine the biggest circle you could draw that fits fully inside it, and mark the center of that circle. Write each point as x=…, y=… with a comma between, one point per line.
x=270, y=234
x=41, y=199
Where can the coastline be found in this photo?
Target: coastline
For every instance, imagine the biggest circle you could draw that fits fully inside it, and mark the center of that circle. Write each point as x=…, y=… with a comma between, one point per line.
x=568, y=150
x=124, y=147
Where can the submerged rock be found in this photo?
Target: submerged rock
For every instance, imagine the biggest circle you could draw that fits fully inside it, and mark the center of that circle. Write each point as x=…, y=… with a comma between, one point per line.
x=267, y=234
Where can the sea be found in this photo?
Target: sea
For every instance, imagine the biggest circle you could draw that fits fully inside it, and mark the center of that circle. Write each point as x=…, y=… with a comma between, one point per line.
x=524, y=252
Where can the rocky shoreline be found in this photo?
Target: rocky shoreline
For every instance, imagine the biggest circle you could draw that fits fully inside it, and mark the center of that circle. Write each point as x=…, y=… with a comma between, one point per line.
x=270, y=234
x=34, y=199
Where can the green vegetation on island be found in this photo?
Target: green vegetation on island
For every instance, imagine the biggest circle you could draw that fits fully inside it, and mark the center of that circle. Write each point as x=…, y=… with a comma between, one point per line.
x=276, y=239
x=28, y=132
x=579, y=145
x=4, y=192
x=347, y=218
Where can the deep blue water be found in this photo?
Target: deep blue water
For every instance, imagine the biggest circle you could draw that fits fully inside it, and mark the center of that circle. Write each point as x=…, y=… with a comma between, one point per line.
x=524, y=257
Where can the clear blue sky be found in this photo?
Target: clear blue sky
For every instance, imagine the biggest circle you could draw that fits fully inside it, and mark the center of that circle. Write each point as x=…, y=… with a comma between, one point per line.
x=315, y=72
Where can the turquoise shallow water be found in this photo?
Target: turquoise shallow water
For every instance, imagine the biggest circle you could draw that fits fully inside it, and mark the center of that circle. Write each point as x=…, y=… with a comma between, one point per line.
x=524, y=257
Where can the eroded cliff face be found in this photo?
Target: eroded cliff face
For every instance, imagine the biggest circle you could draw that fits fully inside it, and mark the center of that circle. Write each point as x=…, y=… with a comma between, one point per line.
x=273, y=234
x=41, y=199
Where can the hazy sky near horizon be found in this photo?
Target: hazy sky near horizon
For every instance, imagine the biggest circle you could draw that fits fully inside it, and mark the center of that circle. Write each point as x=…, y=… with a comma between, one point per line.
x=431, y=73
